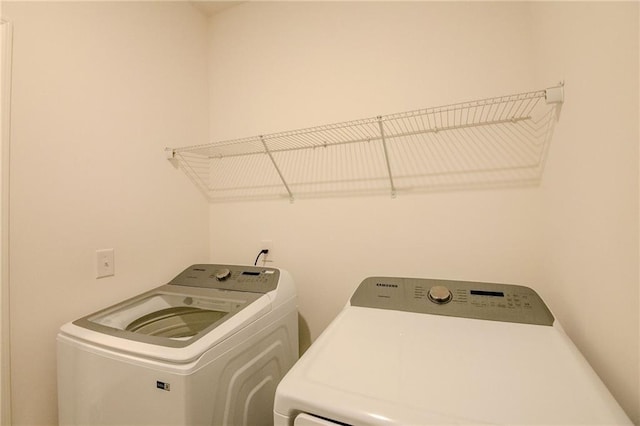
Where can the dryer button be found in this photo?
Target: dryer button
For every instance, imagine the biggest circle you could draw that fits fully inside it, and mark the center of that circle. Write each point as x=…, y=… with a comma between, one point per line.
x=439, y=294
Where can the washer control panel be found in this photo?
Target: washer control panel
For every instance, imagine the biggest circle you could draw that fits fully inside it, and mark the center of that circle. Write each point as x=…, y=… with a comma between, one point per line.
x=252, y=279
x=488, y=301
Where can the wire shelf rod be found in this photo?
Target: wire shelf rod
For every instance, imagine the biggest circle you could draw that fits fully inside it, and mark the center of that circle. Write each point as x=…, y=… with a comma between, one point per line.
x=386, y=157
x=400, y=134
x=524, y=134
x=516, y=151
x=284, y=181
x=470, y=104
x=519, y=98
x=192, y=168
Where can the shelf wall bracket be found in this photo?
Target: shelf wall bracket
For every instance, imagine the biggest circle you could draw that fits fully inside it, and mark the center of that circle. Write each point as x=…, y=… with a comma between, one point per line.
x=386, y=157
x=555, y=95
x=273, y=161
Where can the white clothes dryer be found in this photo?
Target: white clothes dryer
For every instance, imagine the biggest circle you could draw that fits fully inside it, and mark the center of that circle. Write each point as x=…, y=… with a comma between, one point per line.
x=422, y=352
x=208, y=348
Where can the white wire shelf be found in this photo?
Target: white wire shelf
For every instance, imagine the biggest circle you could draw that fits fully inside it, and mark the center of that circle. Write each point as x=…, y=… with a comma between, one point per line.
x=489, y=142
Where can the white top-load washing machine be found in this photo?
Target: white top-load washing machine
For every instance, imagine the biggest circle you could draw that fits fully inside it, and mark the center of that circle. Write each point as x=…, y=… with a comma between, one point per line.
x=208, y=348
x=422, y=352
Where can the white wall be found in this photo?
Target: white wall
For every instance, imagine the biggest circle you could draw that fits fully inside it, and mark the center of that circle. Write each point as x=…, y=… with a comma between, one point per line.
x=276, y=66
x=100, y=88
x=281, y=66
x=590, y=188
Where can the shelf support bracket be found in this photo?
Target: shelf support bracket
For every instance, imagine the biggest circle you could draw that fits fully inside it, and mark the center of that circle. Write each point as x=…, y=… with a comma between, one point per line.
x=555, y=95
x=273, y=161
x=386, y=157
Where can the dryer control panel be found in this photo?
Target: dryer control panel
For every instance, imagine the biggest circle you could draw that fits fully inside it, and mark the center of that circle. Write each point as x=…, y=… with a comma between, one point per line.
x=251, y=279
x=466, y=299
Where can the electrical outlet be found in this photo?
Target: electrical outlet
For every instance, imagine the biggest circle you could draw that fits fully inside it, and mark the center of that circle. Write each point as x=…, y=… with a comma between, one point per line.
x=267, y=245
x=105, y=266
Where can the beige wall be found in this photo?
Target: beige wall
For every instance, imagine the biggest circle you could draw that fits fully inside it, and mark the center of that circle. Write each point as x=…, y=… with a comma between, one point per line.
x=280, y=66
x=5, y=90
x=99, y=90
x=590, y=188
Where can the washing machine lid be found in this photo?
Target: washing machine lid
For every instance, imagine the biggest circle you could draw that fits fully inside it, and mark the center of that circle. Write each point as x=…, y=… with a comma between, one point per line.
x=199, y=300
x=388, y=365
x=169, y=316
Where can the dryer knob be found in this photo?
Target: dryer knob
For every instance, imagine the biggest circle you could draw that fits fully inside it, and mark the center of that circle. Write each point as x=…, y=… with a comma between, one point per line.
x=439, y=294
x=222, y=274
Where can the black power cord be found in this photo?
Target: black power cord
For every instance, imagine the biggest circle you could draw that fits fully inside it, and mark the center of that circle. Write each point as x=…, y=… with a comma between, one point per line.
x=263, y=251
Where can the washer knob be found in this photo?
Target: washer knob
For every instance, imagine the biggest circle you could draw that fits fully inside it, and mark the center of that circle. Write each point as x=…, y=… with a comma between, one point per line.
x=222, y=274
x=440, y=294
